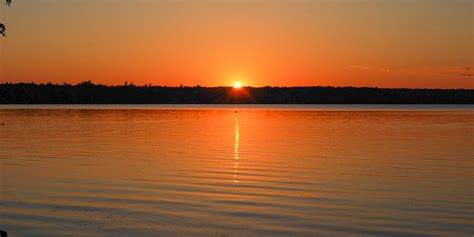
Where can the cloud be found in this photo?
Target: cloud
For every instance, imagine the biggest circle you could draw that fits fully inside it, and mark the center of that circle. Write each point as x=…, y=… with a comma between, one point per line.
x=459, y=69
x=462, y=71
x=465, y=72
x=361, y=67
x=384, y=69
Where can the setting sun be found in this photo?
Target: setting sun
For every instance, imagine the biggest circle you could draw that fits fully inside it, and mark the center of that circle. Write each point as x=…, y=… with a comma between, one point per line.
x=237, y=85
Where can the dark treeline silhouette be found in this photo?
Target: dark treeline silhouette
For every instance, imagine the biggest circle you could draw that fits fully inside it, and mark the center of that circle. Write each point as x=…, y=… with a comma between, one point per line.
x=89, y=93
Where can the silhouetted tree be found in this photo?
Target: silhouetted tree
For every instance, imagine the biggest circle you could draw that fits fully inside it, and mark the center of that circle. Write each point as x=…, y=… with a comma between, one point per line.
x=3, y=28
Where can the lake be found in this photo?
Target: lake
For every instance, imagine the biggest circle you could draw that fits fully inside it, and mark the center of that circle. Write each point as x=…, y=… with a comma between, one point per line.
x=196, y=170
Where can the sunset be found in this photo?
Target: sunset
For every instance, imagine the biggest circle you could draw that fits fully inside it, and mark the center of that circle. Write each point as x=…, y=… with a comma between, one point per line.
x=236, y=118
x=237, y=85
x=390, y=43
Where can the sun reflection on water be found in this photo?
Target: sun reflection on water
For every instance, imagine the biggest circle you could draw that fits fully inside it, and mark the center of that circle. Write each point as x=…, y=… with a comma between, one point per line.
x=236, y=149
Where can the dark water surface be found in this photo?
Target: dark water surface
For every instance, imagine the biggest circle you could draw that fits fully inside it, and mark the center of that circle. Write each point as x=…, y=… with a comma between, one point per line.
x=237, y=170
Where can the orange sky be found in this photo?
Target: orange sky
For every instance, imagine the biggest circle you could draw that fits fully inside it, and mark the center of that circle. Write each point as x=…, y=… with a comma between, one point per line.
x=390, y=43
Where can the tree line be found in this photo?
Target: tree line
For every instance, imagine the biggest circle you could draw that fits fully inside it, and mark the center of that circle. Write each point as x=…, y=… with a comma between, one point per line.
x=90, y=93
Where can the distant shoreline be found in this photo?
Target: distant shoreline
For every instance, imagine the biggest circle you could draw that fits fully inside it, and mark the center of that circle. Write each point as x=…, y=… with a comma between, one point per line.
x=389, y=108
x=89, y=93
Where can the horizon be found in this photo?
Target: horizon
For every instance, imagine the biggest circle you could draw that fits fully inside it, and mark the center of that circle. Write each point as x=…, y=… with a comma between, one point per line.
x=126, y=84
x=89, y=93
x=389, y=44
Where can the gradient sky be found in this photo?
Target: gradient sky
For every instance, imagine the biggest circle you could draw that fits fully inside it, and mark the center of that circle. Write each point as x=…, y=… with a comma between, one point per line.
x=383, y=43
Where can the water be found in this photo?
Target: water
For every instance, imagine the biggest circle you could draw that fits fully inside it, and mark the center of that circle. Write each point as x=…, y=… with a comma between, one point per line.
x=237, y=170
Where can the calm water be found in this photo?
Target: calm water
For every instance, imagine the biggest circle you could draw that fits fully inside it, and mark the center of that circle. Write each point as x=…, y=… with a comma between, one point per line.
x=237, y=171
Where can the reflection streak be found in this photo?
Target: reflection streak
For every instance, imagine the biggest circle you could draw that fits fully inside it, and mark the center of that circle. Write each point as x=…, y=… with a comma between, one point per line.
x=236, y=149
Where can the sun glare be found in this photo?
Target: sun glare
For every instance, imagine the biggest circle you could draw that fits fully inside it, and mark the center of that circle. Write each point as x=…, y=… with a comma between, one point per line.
x=237, y=85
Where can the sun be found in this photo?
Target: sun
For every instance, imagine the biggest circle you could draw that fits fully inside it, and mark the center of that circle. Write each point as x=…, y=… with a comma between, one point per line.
x=237, y=85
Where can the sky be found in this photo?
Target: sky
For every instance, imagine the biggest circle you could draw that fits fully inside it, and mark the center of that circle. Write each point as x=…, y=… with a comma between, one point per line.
x=375, y=43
